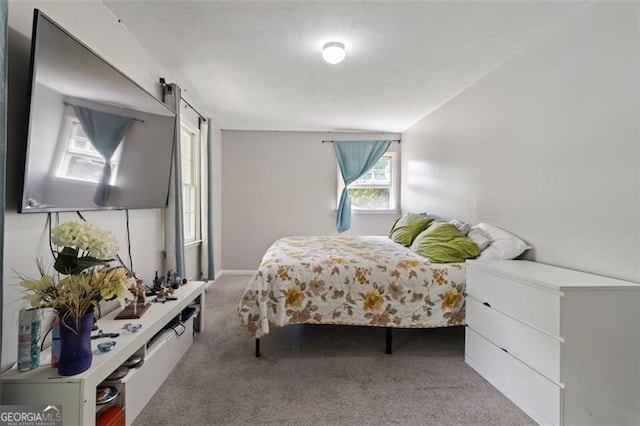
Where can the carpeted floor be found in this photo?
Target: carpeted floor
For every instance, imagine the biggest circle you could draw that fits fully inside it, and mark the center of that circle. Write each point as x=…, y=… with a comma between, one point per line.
x=323, y=375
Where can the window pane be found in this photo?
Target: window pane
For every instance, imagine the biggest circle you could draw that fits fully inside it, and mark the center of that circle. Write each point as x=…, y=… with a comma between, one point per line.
x=78, y=131
x=367, y=177
x=370, y=198
x=79, y=141
x=382, y=177
x=380, y=174
x=188, y=198
x=84, y=169
x=188, y=227
x=186, y=149
x=186, y=173
x=189, y=211
x=190, y=182
x=383, y=164
x=81, y=161
x=82, y=145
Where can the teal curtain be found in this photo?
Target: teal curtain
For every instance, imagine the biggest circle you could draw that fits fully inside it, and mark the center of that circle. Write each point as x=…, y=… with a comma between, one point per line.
x=211, y=272
x=355, y=158
x=177, y=186
x=105, y=131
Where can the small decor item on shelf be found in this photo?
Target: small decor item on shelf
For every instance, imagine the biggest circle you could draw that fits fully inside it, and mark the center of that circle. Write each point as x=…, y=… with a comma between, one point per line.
x=82, y=258
x=29, y=323
x=139, y=304
x=112, y=416
x=118, y=374
x=105, y=394
x=171, y=280
x=134, y=361
x=131, y=328
x=102, y=334
x=165, y=294
x=75, y=345
x=106, y=346
x=55, y=342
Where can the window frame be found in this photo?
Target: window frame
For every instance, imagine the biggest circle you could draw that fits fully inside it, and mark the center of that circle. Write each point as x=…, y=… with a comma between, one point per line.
x=195, y=184
x=70, y=120
x=394, y=188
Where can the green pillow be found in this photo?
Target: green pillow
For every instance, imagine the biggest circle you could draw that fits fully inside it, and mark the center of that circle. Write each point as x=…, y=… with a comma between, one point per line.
x=444, y=243
x=406, y=228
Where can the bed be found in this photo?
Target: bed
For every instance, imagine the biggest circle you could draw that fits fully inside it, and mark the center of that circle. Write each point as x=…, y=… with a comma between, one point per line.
x=351, y=280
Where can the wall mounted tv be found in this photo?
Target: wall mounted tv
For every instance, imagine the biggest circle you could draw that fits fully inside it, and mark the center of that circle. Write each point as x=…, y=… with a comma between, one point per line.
x=96, y=140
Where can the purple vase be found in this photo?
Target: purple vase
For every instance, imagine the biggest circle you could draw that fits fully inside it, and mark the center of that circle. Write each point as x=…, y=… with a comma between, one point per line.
x=75, y=345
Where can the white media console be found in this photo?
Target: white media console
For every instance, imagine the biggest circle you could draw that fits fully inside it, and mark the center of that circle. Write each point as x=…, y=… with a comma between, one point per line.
x=161, y=348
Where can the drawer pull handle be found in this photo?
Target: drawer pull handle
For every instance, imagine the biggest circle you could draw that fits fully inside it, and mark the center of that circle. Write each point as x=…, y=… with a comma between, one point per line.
x=486, y=304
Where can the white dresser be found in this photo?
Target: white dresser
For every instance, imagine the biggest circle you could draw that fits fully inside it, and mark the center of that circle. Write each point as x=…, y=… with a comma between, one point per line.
x=562, y=345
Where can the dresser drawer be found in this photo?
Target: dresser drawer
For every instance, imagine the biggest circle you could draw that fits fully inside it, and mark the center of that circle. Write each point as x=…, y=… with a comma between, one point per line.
x=533, y=393
x=536, y=349
x=535, y=306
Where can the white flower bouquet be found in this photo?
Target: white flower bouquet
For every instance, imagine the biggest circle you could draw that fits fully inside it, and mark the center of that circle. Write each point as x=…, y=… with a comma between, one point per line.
x=85, y=277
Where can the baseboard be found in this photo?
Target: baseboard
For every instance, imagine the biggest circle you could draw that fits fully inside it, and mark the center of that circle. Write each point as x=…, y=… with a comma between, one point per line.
x=237, y=272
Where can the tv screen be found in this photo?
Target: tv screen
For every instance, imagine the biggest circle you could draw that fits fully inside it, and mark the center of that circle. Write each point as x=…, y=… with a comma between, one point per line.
x=96, y=140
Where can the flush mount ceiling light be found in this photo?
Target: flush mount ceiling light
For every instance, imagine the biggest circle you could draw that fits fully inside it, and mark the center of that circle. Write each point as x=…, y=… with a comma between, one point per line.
x=333, y=52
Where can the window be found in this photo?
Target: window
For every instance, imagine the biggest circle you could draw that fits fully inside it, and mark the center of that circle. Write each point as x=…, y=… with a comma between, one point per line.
x=377, y=189
x=80, y=160
x=190, y=161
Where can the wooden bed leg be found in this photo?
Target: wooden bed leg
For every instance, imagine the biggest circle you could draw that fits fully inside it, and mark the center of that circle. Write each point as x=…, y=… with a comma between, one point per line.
x=388, y=341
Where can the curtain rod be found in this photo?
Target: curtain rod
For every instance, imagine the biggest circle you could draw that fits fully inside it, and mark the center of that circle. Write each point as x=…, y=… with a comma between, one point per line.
x=166, y=85
x=393, y=140
x=133, y=118
x=200, y=116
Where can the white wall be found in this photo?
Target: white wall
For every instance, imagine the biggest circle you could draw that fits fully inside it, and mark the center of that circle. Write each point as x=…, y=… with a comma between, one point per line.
x=545, y=146
x=277, y=184
x=26, y=235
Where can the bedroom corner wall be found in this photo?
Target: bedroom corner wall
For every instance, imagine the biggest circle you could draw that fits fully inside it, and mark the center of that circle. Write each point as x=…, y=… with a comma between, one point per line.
x=25, y=236
x=277, y=184
x=545, y=146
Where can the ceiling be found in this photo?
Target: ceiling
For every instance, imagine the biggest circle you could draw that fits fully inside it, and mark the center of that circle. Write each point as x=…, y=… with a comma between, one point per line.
x=256, y=65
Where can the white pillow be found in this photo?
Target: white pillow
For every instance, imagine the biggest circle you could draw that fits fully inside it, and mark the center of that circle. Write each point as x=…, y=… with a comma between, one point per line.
x=462, y=227
x=503, y=244
x=478, y=236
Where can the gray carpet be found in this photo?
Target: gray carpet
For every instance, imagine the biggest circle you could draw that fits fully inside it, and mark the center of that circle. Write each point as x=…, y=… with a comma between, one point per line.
x=323, y=375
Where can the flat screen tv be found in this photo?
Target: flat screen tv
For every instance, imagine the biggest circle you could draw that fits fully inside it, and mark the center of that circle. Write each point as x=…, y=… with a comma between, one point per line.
x=96, y=140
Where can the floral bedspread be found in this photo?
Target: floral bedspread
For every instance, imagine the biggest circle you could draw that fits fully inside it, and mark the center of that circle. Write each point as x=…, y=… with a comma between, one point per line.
x=354, y=280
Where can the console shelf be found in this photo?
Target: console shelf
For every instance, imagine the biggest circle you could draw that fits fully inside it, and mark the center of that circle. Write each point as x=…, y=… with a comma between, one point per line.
x=77, y=394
